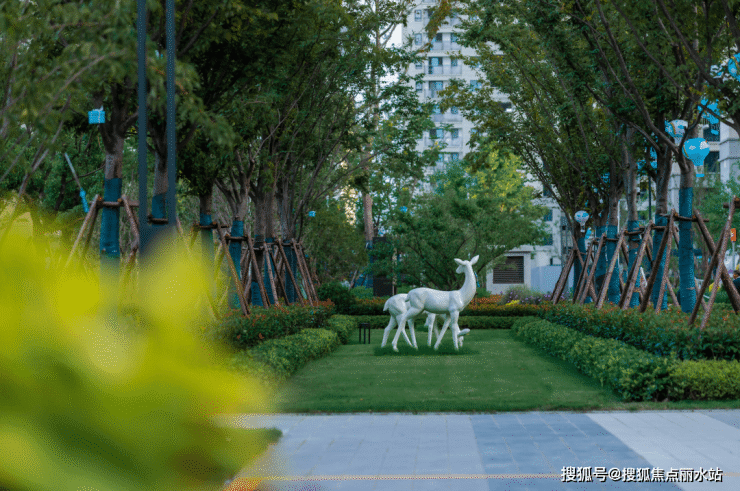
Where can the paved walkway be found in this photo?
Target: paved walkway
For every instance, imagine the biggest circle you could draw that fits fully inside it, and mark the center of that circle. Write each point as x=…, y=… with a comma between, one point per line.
x=502, y=451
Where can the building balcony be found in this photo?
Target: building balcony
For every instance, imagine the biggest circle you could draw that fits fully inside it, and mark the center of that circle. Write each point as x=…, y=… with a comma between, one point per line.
x=447, y=141
x=440, y=46
x=445, y=70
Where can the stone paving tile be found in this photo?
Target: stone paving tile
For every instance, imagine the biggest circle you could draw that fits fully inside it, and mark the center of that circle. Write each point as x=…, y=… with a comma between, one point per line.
x=509, y=443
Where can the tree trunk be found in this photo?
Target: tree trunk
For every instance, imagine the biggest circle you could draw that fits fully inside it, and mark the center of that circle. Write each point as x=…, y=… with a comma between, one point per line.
x=661, y=219
x=632, y=226
x=161, y=186
x=288, y=232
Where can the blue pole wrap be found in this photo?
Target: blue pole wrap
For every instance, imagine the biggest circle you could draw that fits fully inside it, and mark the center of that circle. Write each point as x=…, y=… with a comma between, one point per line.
x=256, y=296
x=158, y=207
x=207, y=250
x=265, y=277
x=235, y=251
x=601, y=262
x=611, y=248
x=632, y=226
x=110, y=249
x=577, y=269
x=293, y=265
x=659, y=262
x=687, y=285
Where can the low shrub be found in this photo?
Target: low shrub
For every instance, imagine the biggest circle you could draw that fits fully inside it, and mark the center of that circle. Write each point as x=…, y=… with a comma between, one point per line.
x=277, y=359
x=339, y=295
x=481, y=292
x=343, y=325
x=238, y=332
x=706, y=379
x=632, y=373
x=471, y=322
x=657, y=333
x=362, y=292
x=522, y=294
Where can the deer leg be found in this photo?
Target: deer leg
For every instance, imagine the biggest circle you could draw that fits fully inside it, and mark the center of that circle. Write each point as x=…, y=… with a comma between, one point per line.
x=431, y=325
x=410, y=314
x=442, y=333
x=393, y=323
x=455, y=328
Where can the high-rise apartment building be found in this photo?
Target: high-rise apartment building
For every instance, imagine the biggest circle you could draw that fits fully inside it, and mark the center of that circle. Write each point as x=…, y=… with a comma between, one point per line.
x=533, y=266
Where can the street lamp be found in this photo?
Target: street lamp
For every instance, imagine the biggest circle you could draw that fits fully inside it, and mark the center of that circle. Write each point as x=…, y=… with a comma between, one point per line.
x=582, y=218
x=697, y=150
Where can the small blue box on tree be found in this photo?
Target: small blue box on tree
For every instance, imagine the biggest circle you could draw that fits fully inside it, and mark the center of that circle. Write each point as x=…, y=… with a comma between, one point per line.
x=96, y=116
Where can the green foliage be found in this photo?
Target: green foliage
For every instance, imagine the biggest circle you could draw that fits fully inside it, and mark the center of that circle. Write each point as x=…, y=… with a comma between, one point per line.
x=472, y=322
x=634, y=374
x=486, y=218
x=657, y=333
x=481, y=292
x=362, y=292
x=343, y=325
x=335, y=246
x=286, y=355
x=521, y=294
x=706, y=380
x=238, y=332
x=82, y=390
x=339, y=295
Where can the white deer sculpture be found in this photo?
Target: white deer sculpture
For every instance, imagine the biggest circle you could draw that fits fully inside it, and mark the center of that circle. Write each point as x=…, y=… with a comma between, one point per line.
x=397, y=305
x=440, y=302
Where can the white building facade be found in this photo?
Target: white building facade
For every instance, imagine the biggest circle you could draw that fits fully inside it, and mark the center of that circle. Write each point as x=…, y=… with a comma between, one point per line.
x=536, y=267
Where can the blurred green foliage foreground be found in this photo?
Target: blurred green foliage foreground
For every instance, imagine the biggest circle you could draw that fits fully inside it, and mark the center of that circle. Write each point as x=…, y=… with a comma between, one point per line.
x=86, y=404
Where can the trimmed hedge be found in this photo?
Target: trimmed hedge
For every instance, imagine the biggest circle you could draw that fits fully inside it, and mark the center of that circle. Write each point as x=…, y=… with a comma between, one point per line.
x=343, y=325
x=656, y=333
x=277, y=359
x=706, y=379
x=471, y=322
x=632, y=373
x=478, y=307
x=238, y=332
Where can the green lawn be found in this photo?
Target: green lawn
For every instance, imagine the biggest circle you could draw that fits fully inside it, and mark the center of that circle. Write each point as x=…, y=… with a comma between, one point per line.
x=494, y=371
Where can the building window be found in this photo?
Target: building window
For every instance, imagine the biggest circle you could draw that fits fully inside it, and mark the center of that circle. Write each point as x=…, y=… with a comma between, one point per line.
x=453, y=61
x=474, y=85
x=417, y=39
x=436, y=133
x=548, y=216
x=546, y=193
x=453, y=38
x=417, y=16
x=434, y=87
x=547, y=241
x=419, y=86
x=454, y=110
x=440, y=158
x=510, y=272
x=505, y=106
x=427, y=13
x=711, y=163
x=436, y=110
x=419, y=65
x=454, y=156
x=433, y=64
x=455, y=133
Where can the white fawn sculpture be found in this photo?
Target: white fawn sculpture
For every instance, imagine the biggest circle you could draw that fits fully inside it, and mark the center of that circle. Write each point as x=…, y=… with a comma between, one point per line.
x=440, y=302
x=397, y=305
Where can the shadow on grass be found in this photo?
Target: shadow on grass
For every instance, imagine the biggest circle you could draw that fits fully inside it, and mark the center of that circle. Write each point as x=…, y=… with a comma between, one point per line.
x=424, y=350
